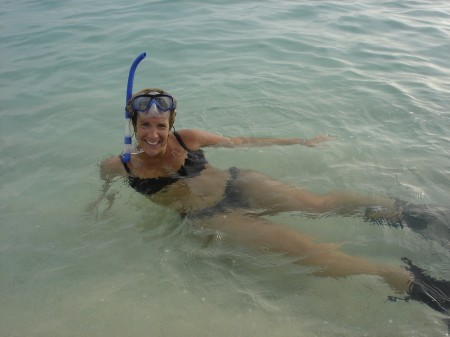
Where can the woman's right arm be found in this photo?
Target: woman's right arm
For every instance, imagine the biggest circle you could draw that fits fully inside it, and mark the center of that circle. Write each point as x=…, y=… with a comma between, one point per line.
x=109, y=169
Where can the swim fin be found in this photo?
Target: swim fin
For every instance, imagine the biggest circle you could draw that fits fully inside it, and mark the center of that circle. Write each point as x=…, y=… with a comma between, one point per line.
x=405, y=214
x=426, y=289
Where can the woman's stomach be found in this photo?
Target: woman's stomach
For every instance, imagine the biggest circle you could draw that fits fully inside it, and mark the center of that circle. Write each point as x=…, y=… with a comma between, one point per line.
x=190, y=194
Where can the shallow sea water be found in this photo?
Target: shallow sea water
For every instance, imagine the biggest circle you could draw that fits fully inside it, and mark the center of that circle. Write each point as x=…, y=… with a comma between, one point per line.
x=373, y=73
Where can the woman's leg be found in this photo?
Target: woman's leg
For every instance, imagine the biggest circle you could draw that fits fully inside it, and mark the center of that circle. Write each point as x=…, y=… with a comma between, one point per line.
x=270, y=196
x=263, y=192
x=261, y=234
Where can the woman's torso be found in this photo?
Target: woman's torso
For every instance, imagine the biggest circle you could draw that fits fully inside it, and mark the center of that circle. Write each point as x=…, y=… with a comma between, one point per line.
x=187, y=182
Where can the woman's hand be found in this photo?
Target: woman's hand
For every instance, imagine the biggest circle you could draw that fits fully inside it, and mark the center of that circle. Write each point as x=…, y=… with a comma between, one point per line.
x=317, y=141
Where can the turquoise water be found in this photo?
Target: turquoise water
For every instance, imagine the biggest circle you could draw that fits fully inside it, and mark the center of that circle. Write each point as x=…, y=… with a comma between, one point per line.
x=373, y=73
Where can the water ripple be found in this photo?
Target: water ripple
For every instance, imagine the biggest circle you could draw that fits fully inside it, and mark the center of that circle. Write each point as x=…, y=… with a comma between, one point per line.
x=375, y=73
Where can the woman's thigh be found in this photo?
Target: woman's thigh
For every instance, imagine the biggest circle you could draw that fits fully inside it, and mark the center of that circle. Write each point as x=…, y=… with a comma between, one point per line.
x=273, y=196
x=264, y=192
x=241, y=227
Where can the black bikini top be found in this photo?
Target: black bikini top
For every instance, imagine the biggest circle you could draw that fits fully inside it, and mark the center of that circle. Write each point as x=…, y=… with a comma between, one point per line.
x=194, y=163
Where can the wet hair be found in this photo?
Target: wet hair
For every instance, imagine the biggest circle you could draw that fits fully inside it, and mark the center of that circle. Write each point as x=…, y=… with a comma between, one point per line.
x=133, y=113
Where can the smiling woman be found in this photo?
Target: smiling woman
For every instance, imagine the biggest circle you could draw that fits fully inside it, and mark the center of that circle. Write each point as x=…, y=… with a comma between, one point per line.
x=167, y=157
x=172, y=171
x=373, y=72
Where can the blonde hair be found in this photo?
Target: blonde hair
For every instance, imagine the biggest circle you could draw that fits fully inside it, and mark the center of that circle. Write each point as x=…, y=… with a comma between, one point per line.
x=133, y=113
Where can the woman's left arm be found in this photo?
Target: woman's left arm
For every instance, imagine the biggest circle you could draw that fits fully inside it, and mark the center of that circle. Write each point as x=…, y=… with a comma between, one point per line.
x=200, y=138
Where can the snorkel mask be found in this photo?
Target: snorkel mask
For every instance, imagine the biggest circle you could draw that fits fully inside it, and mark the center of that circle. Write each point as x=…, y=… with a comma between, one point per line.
x=153, y=104
x=126, y=156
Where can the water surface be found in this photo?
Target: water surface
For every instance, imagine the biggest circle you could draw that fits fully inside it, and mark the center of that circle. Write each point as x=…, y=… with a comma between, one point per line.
x=373, y=73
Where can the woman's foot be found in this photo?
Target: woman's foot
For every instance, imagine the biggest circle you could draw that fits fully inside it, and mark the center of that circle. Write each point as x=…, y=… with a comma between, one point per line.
x=404, y=214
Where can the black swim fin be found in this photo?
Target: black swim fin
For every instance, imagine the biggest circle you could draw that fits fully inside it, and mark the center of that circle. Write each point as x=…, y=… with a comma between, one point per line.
x=426, y=289
x=407, y=215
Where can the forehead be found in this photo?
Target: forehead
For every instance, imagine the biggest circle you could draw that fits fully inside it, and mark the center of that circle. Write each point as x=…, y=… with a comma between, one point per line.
x=150, y=92
x=141, y=118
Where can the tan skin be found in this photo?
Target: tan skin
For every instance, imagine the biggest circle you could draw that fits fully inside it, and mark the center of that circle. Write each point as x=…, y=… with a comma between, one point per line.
x=162, y=155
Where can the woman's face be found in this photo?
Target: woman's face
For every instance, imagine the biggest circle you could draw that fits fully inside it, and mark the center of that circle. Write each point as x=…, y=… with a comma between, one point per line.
x=152, y=134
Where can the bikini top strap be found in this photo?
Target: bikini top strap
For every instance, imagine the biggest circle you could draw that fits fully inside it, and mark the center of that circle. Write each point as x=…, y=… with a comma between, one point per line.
x=125, y=165
x=178, y=137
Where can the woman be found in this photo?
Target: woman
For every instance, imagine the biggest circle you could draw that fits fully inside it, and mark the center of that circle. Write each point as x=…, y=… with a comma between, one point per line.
x=172, y=171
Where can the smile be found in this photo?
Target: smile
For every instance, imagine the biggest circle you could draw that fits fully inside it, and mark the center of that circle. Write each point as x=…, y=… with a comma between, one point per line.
x=152, y=143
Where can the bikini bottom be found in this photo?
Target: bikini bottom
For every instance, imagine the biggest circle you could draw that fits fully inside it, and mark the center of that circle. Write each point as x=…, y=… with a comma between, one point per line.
x=232, y=199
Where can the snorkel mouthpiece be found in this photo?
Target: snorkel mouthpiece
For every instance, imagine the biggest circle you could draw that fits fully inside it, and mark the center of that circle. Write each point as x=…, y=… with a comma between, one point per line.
x=126, y=155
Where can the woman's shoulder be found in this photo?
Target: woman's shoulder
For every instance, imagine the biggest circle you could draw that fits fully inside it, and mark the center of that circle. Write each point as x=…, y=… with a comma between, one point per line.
x=196, y=138
x=190, y=137
x=188, y=133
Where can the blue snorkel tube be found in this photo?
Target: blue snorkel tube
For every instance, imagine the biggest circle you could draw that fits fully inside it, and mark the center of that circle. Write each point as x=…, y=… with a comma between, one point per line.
x=126, y=155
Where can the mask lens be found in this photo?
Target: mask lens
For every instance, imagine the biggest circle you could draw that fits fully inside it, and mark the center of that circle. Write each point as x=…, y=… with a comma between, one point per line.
x=141, y=103
x=163, y=102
